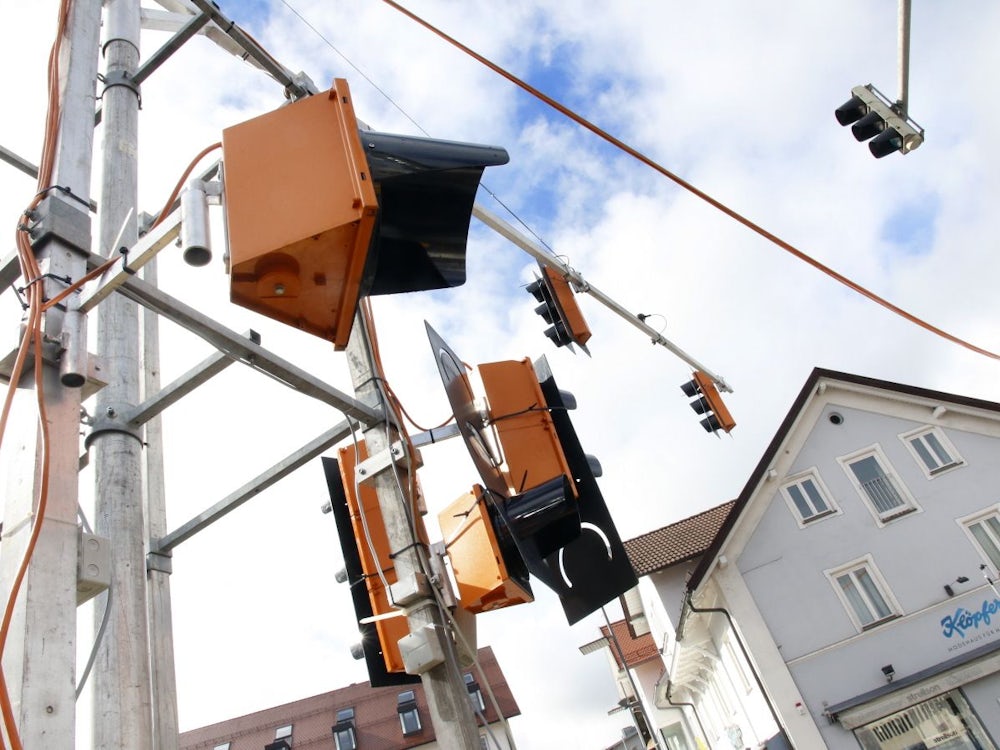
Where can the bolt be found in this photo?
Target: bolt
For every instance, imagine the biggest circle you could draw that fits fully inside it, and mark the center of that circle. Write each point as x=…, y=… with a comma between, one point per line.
x=111, y=412
x=279, y=289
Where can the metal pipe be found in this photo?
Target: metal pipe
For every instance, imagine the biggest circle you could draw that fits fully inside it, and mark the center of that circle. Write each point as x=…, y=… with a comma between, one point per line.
x=121, y=678
x=904, y=57
x=746, y=656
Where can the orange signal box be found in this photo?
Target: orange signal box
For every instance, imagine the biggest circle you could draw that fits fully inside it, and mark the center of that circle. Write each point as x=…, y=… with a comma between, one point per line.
x=714, y=399
x=477, y=561
x=577, y=327
x=300, y=213
x=524, y=426
x=366, y=519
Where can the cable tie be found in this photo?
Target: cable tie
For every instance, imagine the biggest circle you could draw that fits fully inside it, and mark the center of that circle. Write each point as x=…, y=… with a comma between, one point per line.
x=64, y=279
x=397, y=553
x=68, y=192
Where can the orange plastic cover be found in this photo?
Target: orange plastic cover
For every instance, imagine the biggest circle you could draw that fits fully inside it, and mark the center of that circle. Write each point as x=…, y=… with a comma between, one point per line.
x=566, y=299
x=520, y=416
x=371, y=526
x=300, y=212
x=714, y=399
x=482, y=577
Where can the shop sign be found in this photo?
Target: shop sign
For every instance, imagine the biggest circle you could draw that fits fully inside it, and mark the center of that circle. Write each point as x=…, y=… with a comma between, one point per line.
x=964, y=623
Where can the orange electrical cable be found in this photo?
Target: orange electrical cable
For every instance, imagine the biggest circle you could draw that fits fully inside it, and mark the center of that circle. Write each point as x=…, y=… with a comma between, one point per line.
x=731, y=213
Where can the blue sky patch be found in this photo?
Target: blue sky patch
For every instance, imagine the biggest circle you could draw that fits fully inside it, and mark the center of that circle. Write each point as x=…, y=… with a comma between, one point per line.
x=910, y=227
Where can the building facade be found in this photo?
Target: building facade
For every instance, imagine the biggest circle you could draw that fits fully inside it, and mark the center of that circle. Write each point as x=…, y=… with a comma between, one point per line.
x=360, y=717
x=849, y=597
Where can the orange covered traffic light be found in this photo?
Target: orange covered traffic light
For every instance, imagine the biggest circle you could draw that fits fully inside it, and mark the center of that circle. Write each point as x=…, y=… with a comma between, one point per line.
x=707, y=401
x=319, y=213
x=559, y=309
x=488, y=570
x=369, y=564
x=544, y=505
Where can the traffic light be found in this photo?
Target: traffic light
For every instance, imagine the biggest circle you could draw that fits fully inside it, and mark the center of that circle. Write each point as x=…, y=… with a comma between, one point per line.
x=559, y=309
x=488, y=570
x=542, y=489
x=368, y=560
x=320, y=213
x=872, y=116
x=707, y=401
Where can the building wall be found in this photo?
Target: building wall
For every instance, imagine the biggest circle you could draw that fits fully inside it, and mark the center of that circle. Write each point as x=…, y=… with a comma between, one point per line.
x=783, y=562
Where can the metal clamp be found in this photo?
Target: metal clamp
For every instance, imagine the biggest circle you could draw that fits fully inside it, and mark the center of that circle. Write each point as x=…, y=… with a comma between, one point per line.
x=113, y=419
x=120, y=78
x=376, y=464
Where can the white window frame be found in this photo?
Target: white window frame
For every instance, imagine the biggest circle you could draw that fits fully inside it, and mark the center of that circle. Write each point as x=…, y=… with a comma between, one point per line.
x=809, y=475
x=283, y=732
x=978, y=517
x=866, y=564
x=909, y=505
x=920, y=434
x=223, y=746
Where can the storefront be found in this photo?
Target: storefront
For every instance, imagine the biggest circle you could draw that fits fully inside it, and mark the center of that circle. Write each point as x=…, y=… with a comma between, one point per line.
x=945, y=722
x=929, y=710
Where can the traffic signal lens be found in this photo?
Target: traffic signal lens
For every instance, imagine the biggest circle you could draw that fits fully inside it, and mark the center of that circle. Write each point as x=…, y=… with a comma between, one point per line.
x=851, y=111
x=868, y=126
x=889, y=141
x=701, y=406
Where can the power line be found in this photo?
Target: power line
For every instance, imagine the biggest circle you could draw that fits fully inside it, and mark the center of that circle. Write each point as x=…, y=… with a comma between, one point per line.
x=732, y=213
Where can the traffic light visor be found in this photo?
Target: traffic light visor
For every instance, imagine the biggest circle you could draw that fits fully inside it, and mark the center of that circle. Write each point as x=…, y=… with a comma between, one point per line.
x=851, y=111
x=868, y=126
x=889, y=141
x=426, y=190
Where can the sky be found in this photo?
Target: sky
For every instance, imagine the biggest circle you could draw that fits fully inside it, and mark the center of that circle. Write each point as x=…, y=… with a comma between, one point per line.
x=737, y=99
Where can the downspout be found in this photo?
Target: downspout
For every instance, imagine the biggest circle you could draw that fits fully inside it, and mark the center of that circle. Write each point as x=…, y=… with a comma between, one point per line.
x=680, y=704
x=746, y=656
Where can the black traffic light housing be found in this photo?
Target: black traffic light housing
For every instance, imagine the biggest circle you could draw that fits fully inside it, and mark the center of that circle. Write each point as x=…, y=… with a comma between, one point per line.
x=874, y=118
x=546, y=501
x=559, y=309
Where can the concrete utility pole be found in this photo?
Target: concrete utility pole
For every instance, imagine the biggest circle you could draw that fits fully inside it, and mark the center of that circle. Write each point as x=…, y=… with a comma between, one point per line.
x=447, y=694
x=122, y=688
x=40, y=654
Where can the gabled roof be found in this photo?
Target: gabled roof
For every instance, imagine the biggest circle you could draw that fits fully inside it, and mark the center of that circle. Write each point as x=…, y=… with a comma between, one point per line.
x=808, y=390
x=676, y=542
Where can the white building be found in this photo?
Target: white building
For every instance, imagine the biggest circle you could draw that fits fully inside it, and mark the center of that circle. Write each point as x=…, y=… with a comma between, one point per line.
x=846, y=600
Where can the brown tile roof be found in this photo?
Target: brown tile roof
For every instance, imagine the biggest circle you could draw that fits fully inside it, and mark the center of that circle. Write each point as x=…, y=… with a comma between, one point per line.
x=676, y=542
x=377, y=725
x=636, y=650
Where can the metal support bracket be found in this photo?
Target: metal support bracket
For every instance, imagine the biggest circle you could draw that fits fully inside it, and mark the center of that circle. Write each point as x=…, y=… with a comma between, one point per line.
x=161, y=562
x=61, y=216
x=375, y=465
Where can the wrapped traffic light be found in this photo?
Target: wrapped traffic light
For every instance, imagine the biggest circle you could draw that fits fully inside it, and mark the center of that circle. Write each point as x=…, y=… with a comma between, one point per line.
x=370, y=569
x=546, y=512
x=559, y=309
x=708, y=402
x=873, y=118
x=320, y=213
